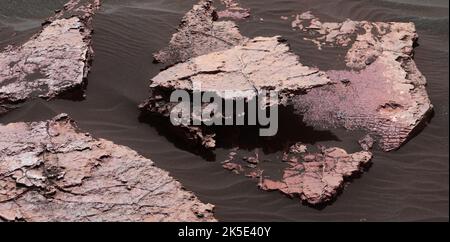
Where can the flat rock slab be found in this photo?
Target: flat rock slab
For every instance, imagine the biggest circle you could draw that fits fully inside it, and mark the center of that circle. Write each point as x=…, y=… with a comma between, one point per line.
x=52, y=62
x=241, y=72
x=51, y=171
x=383, y=92
x=262, y=63
x=233, y=10
x=199, y=33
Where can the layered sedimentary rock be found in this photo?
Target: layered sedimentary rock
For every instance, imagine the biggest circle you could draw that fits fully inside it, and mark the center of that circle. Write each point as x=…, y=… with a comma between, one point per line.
x=314, y=177
x=384, y=92
x=199, y=33
x=52, y=62
x=242, y=72
x=51, y=171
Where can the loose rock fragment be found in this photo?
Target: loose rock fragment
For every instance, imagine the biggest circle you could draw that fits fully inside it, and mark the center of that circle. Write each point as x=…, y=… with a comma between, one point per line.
x=50, y=171
x=233, y=10
x=317, y=177
x=384, y=93
x=199, y=33
x=52, y=62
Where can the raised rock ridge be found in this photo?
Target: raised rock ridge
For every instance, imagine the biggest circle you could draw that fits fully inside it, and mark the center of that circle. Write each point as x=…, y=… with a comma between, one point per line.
x=52, y=62
x=51, y=171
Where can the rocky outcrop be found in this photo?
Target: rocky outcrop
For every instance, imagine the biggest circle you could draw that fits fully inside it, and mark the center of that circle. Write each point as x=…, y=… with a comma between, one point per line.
x=317, y=177
x=384, y=92
x=199, y=33
x=314, y=177
x=52, y=62
x=260, y=64
x=51, y=171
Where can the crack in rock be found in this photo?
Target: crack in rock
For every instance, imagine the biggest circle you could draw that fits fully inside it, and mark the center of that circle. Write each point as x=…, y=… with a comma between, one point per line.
x=52, y=62
x=199, y=33
x=63, y=174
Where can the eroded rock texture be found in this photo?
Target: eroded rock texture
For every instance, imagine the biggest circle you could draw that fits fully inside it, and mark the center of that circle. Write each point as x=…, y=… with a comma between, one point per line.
x=52, y=62
x=50, y=171
x=384, y=92
x=199, y=33
x=233, y=10
x=262, y=63
x=314, y=177
x=317, y=177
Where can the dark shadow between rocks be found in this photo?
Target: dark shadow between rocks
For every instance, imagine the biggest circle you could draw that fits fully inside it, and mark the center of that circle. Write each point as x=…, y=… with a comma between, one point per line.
x=419, y=128
x=291, y=129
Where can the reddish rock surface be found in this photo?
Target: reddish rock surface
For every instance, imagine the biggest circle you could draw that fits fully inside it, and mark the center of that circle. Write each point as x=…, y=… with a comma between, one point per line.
x=314, y=177
x=317, y=177
x=384, y=93
x=51, y=171
x=233, y=10
x=366, y=142
x=259, y=64
x=199, y=33
x=53, y=62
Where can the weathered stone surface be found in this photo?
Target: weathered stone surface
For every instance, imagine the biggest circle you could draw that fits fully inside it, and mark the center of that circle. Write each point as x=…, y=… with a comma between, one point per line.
x=233, y=10
x=158, y=105
x=262, y=63
x=53, y=61
x=367, y=40
x=384, y=93
x=199, y=33
x=51, y=171
x=366, y=142
x=315, y=178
